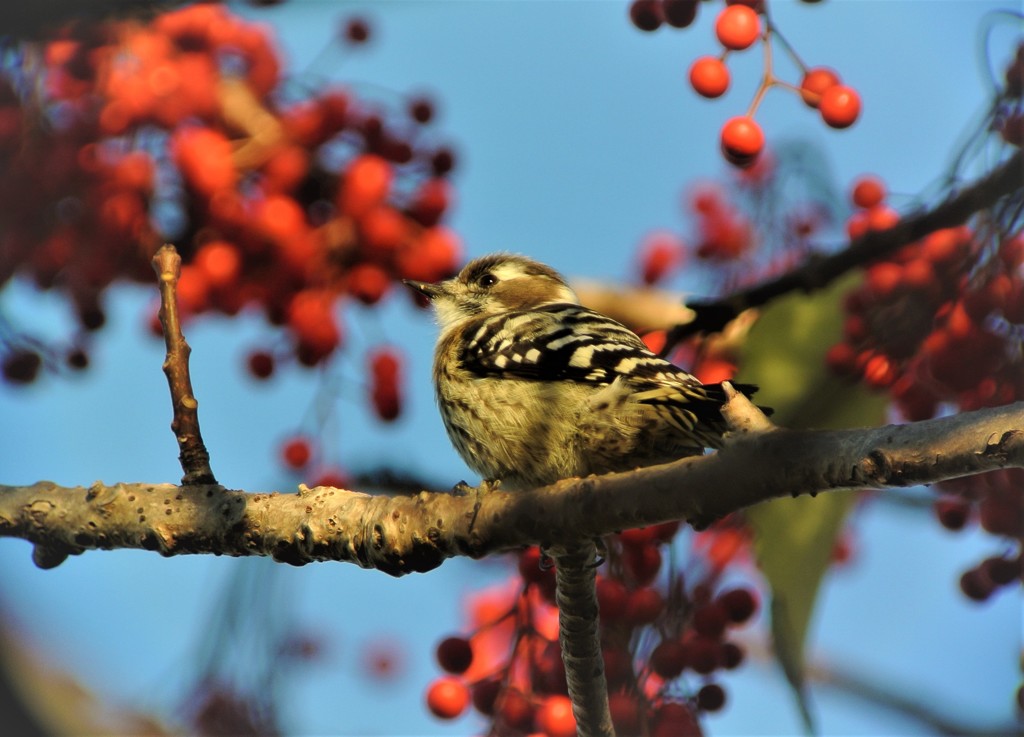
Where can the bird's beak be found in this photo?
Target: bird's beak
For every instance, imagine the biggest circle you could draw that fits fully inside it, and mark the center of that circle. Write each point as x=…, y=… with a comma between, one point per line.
x=428, y=290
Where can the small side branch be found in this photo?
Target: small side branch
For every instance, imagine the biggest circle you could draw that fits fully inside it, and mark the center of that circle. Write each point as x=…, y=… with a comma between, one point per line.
x=192, y=453
x=819, y=271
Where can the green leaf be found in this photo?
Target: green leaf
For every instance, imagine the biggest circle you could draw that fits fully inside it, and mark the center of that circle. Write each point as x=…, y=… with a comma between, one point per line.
x=794, y=538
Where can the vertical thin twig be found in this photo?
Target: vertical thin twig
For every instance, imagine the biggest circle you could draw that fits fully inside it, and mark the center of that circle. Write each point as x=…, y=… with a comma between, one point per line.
x=192, y=453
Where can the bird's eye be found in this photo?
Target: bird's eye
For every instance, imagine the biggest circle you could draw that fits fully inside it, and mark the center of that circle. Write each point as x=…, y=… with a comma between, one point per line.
x=487, y=280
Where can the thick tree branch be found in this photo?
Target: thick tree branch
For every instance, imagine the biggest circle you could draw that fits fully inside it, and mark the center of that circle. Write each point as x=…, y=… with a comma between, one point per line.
x=417, y=533
x=819, y=271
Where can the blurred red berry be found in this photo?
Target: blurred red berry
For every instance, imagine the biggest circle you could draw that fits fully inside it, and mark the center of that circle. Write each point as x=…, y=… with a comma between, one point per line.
x=646, y=14
x=21, y=366
x=625, y=711
x=296, y=452
x=447, y=697
x=710, y=697
x=679, y=13
x=868, y=191
x=356, y=30
x=455, y=654
x=668, y=659
x=555, y=718
x=739, y=604
x=261, y=364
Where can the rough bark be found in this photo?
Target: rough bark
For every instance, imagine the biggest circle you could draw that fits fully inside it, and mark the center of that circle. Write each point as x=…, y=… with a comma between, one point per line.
x=416, y=533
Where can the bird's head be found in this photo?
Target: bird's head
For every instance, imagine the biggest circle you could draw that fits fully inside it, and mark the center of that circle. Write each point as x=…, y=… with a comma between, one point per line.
x=494, y=284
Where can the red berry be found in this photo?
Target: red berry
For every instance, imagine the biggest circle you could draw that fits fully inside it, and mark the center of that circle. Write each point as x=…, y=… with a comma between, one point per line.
x=356, y=30
x=737, y=27
x=333, y=477
x=515, y=709
x=1011, y=251
x=709, y=76
x=952, y=512
x=618, y=665
x=611, y=598
x=384, y=386
x=485, y=694
x=430, y=201
x=383, y=229
x=668, y=659
x=455, y=654
x=625, y=710
x=296, y=452
x=730, y=655
x=883, y=278
x=814, y=84
x=739, y=605
x=549, y=671
x=679, y=13
x=646, y=14
x=742, y=138
x=442, y=161
x=661, y=252
x=1001, y=571
x=532, y=568
x=868, y=191
x=976, y=585
x=710, y=620
x=22, y=366
x=841, y=359
x=672, y=719
x=840, y=106
x=261, y=364
x=702, y=655
x=643, y=563
x=555, y=717
x=879, y=372
x=638, y=537
x=919, y=276
x=220, y=262
x=368, y=282
x=447, y=697
x=365, y=184
x=421, y=109
x=644, y=605
x=711, y=697
x=311, y=318
x=882, y=217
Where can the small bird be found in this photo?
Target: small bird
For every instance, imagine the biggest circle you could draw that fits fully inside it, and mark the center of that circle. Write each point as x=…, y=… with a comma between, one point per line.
x=533, y=387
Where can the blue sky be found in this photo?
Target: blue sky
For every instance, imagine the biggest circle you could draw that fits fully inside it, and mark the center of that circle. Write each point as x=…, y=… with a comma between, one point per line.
x=576, y=135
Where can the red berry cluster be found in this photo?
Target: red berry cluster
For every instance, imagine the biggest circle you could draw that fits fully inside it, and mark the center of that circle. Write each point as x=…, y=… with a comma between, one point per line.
x=921, y=311
x=738, y=26
x=996, y=501
x=128, y=134
x=941, y=321
x=735, y=232
x=661, y=641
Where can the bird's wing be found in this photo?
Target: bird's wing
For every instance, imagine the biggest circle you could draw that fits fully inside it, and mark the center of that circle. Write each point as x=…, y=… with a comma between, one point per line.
x=567, y=342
